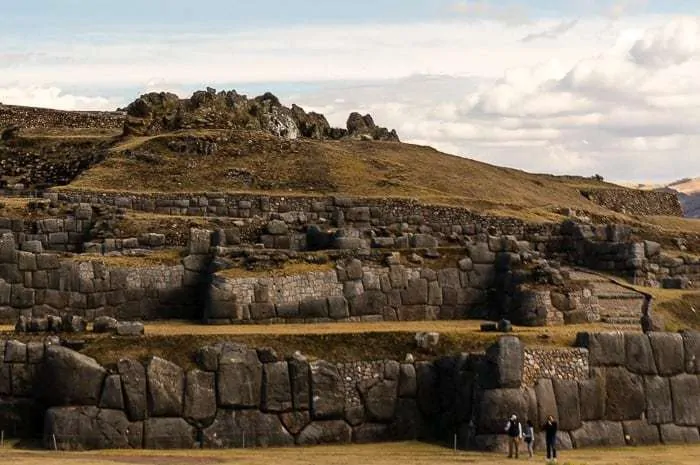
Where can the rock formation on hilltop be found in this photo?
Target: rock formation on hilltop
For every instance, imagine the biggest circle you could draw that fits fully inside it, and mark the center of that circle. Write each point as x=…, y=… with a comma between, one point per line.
x=155, y=113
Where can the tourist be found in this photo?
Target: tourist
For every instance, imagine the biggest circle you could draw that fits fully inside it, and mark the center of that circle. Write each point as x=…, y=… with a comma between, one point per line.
x=529, y=437
x=515, y=433
x=550, y=430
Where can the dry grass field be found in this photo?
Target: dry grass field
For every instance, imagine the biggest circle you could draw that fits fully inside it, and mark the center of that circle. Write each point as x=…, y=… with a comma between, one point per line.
x=375, y=454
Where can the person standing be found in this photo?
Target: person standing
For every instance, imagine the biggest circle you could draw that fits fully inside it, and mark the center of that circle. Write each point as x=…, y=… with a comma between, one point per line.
x=529, y=437
x=515, y=432
x=550, y=430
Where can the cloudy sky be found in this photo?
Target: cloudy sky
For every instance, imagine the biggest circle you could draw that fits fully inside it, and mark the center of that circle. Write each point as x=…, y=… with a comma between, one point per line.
x=583, y=87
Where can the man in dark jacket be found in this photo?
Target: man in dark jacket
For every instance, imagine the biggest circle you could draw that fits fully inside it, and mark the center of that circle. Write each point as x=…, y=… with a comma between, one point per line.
x=515, y=432
x=550, y=430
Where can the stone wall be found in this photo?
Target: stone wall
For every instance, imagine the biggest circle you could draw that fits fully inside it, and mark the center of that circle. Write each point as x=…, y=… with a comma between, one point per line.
x=636, y=202
x=641, y=389
x=30, y=117
x=562, y=364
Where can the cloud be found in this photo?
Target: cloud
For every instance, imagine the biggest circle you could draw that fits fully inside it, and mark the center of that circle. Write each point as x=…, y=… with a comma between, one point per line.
x=511, y=14
x=53, y=97
x=553, y=32
x=673, y=44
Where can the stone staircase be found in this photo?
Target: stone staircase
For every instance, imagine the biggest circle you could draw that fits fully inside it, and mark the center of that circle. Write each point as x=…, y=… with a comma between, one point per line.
x=618, y=304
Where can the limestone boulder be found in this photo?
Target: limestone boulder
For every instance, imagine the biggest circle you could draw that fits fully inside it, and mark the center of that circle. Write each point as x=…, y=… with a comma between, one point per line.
x=276, y=388
x=546, y=400
x=380, y=400
x=75, y=379
x=300, y=376
x=200, y=397
x=568, y=404
x=87, y=428
x=239, y=379
x=295, y=421
x=166, y=388
x=625, y=398
x=326, y=432
x=327, y=396
x=427, y=388
x=133, y=375
x=685, y=392
x=497, y=405
x=370, y=433
x=592, y=396
x=674, y=434
x=105, y=324
x=408, y=421
x=599, y=434
x=169, y=433
x=407, y=380
x=691, y=349
x=604, y=349
x=668, y=353
x=506, y=358
x=112, y=397
x=658, y=400
x=640, y=356
x=641, y=433
x=246, y=428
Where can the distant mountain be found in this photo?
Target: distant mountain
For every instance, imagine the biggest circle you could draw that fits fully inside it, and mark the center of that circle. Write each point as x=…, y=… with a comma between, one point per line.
x=688, y=190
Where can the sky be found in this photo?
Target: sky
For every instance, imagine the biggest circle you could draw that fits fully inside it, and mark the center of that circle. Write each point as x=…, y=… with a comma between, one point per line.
x=583, y=87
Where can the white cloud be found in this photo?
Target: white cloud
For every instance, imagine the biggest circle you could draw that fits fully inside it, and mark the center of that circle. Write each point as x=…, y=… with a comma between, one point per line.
x=53, y=97
x=552, y=32
x=673, y=44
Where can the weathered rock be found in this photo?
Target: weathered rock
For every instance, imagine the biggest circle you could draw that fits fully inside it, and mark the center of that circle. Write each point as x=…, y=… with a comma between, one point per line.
x=370, y=433
x=300, y=375
x=640, y=433
x=592, y=396
x=427, y=341
x=691, y=349
x=599, y=434
x=200, y=397
x=640, y=356
x=168, y=433
x=685, y=392
x=200, y=241
x=668, y=353
x=130, y=328
x=276, y=388
x=15, y=352
x=604, y=349
x=407, y=380
x=327, y=397
x=133, y=376
x=85, y=428
x=380, y=400
x=208, y=357
x=295, y=421
x=74, y=324
x=625, y=395
x=245, y=428
x=498, y=405
x=326, y=432
x=546, y=400
x=166, y=387
x=239, y=378
x=674, y=434
x=658, y=400
x=105, y=324
x=74, y=378
x=427, y=388
x=568, y=405
x=407, y=422
x=112, y=396
x=506, y=358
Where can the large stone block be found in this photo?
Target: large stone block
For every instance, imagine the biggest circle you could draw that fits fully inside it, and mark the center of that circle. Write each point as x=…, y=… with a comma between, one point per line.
x=407, y=380
x=245, y=428
x=625, y=398
x=685, y=392
x=316, y=308
x=497, y=405
x=166, y=388
x=300, y=379
x=592, y=396
x=599, y=434
x=506, y=358
x=239, y=378
x=546, y=400
x=691, y=349
x=370, y=433
x=133, y=376
x=200, y=241
x=640, y=356
x=481, y=254
x=368, y=303
x=641, y=433
x=668, y=353
x=326, y=432
x=658, y=400
x=112, y=397
x=427, y=388
x=568, y=404
x=604, y=349
x=416, y=293
x=327, y=396
x=295, y=421
x=200, y=397
x=169, y=433
x=674, y=434
x=338, y=308
x=74, y=378
x=85, y=428
x=482, y=276
x=276, y=388
x=380, y=400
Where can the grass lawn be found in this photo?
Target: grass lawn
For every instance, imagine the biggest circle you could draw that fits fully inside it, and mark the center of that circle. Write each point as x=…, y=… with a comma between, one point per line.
x=376, y=454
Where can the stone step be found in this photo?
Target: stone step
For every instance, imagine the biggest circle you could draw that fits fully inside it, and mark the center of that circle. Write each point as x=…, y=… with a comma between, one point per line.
x=621, y=321
x=620, y=295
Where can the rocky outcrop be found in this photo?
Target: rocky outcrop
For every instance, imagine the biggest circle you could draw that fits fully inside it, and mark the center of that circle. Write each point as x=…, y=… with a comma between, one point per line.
x=155, y=113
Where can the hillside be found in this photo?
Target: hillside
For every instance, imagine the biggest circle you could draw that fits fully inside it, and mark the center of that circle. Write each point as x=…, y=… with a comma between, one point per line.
x=688, y=191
